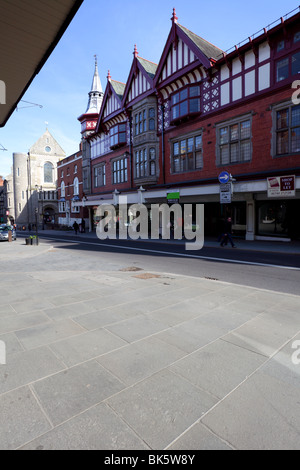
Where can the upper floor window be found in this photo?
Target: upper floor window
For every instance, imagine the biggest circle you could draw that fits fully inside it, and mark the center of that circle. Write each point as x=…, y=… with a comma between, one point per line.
x=141, y=122
x=151, y=119
x=185, y=102
x=288, y=130
x=187, y=154
x=62, y=189
x=117, y=135
x=297, y=36
x=144, y=121
x=48, y=173
x=85, y=177
x=99, y=176
x=119, y=168
x=289, y=66
x=234, y=142
x=145, y=162
x=76, y=187
x=75, y=169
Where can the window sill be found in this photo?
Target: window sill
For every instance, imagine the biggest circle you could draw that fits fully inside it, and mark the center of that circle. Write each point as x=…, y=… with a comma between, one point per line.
x=116, y=146
x=186, y=171
x=146, y=179
x=183, y=119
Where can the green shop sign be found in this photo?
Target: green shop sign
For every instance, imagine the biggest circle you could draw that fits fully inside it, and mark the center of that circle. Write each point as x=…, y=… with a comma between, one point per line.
x=173, y=198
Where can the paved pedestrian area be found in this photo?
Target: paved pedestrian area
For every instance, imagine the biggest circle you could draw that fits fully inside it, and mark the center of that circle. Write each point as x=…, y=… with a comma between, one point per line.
x=112, y=356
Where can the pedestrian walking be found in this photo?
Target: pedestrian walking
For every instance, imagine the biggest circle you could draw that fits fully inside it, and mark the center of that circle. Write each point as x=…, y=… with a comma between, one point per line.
x=227, y=233
x=75, y=227
x=83, y=225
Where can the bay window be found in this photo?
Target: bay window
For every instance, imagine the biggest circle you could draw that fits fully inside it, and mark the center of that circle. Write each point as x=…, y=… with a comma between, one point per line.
x=117, y=135
x=185, y=102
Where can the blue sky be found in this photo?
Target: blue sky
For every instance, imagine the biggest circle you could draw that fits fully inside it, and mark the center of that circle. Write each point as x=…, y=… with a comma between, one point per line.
x=110, y=29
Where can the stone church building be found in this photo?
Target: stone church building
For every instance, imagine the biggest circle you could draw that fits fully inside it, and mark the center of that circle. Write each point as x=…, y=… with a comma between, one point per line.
x=33, y=182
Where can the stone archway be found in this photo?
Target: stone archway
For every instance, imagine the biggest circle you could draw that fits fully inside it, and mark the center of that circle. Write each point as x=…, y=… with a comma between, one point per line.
x=49, y=215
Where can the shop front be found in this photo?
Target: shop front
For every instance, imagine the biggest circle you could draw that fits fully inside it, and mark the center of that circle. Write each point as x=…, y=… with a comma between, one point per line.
x=277, y=212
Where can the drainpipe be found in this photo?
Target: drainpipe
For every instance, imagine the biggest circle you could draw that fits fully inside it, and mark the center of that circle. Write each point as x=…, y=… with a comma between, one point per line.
x=163, y=141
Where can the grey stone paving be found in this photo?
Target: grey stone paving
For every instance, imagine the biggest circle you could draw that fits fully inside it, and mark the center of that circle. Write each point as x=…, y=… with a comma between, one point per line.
x=99, y=358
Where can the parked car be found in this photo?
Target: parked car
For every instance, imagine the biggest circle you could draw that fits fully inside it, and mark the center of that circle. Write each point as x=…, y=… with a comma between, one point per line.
x=4, y=230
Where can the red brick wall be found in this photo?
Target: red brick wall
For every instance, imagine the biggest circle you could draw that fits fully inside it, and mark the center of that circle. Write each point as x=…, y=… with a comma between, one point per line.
x=262, y=160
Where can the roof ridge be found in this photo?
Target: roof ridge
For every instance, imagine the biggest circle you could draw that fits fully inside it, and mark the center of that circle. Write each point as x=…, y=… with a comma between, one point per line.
x=147, y=60
x=200, y=37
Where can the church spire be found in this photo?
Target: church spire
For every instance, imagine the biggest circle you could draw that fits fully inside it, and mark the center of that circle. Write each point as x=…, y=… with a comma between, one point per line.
x=96, y=93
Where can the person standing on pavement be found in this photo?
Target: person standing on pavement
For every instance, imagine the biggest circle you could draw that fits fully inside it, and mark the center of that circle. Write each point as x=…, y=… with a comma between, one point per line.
x=227, y=233
x=75, y=227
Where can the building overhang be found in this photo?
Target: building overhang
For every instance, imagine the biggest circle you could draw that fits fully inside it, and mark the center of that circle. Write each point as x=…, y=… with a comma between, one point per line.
x=29, y=32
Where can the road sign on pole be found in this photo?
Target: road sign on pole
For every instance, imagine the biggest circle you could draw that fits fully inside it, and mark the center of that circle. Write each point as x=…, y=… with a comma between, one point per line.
x=224, y=177
x=226, y=193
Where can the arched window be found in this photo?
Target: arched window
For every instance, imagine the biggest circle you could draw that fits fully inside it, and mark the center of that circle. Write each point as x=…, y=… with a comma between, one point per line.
x=62, y=189
x=48, y=173
x=76, y=187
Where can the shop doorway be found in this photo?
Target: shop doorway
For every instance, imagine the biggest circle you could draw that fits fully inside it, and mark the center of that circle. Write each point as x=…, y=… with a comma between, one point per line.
x=278, y=219
x=215, y=214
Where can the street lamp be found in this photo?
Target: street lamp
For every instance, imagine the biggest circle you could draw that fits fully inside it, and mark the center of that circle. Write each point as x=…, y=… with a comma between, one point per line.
x=39, y=190
x=36, y=225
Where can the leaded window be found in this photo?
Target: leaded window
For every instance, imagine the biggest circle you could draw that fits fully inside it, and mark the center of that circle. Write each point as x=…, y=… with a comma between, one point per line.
x=234, y=142
x=288, y=130
x=187, y=154
x=99, y=176
x=120, y=171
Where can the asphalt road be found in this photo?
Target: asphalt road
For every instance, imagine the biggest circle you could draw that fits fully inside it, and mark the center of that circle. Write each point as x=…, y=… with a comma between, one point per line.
x=272, y=271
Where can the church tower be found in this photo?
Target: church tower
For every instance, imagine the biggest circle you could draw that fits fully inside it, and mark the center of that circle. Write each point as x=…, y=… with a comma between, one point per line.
x=88, y=122
x=89, y=119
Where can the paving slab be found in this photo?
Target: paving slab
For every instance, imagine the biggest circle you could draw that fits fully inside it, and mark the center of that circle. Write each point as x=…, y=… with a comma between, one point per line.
x=21, y=418
x=86, y=346
x=142, y=359
x=262, y=414
x=152, y=410
x=47, y=333
x=98, y=428
x=230, y=364
x=68, y=393
x=25, y=367
x=199, y=437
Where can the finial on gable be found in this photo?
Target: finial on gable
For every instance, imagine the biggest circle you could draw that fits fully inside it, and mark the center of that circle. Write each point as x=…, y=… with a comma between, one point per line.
x=108, y=76
x=135, y=52
x=174, y=18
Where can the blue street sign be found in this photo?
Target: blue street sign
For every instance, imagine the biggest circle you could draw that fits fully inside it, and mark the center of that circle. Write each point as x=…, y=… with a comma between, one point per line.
x=224, y=177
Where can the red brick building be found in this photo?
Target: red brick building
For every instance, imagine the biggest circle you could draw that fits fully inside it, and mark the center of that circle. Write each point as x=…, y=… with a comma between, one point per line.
x=176, y=126
x=69, y=181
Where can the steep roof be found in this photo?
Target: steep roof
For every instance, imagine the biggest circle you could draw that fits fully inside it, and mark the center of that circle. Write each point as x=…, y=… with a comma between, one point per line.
x=149, y=67
x=118, y=88
x=208, y=49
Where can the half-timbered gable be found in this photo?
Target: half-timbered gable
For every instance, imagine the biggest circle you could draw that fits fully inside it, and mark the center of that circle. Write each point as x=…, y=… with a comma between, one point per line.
x=140, y=80
x=185, y=78
x=111, y=130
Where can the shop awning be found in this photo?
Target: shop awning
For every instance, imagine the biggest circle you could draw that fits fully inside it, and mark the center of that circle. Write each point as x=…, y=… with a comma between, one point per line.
x=29, y=32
